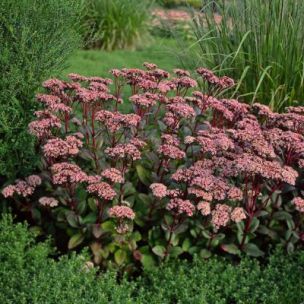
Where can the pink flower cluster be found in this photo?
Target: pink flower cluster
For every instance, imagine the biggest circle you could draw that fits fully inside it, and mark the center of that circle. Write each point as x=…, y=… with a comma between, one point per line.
x=122, y=212
x=23, y=188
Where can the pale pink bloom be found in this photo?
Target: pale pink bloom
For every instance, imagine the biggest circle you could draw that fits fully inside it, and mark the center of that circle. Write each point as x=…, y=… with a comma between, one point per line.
x=173, y=193
x=137, y=142
x=113, y=175
x=42, y=128
x=67, y=173
x=238, y=214
x=55, y=85
x=166, y=86
x=159, y=74
x=9, y=191
x=299, y=204
x=180, y=206
x=103, y=190
x=180, y=72
x=235, y=194
x=220, y=215
x=121, y=151
x=93, y=179
x=170, y=139
x=33, y=180
x=171, y=152
x=159, y=190
x=48, y=201
x=150, y=66
x=57, y=147
x=185, y=81
x=181, y=109
x=204, y=208
x=23, y=188
x=122, y=212
x=145, y=100
x=189, y=140
x=77, y=77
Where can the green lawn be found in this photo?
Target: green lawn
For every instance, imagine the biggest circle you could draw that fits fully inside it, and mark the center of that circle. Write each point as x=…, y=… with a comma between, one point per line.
x=163, y=52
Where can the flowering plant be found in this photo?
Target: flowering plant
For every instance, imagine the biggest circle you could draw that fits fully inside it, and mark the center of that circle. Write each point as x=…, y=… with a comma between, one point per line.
x=185, y=173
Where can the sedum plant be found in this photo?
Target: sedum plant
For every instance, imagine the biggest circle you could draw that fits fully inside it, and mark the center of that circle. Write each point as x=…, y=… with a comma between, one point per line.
x=184, y=173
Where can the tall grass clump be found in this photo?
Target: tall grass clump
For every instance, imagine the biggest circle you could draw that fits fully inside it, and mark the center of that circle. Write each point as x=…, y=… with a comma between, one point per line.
x=259, y=43
x=115, y=24
x=35, y=38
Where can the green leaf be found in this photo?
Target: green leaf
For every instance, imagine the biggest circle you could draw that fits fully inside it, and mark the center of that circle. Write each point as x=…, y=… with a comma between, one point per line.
x=81, y=207
x=205, y=254
x=159, y=250
x=144, y=175
x=186, y=244
x=147, y=261
x=282, y=216
x=90, y=218
x=120, y=256
x=75, y=240
x=231, y=248
x=72, y=219
x=254, y=225
x=175, y=251
x=108, y=226
x=92, y=204
x=253, y=250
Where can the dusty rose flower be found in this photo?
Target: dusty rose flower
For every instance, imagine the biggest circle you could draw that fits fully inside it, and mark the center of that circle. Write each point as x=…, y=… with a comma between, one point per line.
x=93, y=179
x=150, y=66
x=57, y=147
x=33, y=180
x=122, y=212
x=204, y=208
x=23, y=188
x=180, y=206
x=182, y=110
x=235, y=194
x=103, y=190
x=171, y=152
x=113, y=175
x=48, y=201
x=124, y=151
x=159, y=190
x=9, y=191
x=144, y=100
x=67, y=173
x=220, y=215
x=180, y=72
x=238, y=214
x=299, y=204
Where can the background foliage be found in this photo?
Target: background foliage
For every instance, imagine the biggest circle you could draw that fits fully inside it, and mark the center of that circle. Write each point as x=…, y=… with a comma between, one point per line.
x=115, y=24
x=259, y=43
x=35, y=37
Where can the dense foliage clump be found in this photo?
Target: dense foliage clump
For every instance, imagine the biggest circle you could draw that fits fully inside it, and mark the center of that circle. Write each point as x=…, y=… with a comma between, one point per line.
x=184, y=173
x=29, y=275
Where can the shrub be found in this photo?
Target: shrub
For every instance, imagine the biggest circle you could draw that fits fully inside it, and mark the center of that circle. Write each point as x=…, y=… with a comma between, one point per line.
x=181, y=175
x=258, y=43
x=29, y=275
x=115, y=24
x=36, y=38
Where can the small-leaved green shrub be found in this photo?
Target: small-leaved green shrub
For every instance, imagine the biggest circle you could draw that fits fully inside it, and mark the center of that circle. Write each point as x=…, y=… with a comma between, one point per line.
x=259, y=43
x=35, y=37
x=115, y=24
x=29, y=275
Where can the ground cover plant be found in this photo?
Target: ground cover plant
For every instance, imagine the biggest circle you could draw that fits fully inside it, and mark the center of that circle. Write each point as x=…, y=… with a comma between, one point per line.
x=184, y=173
x=36, y=37
x=259, y=43
x=31, y=272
